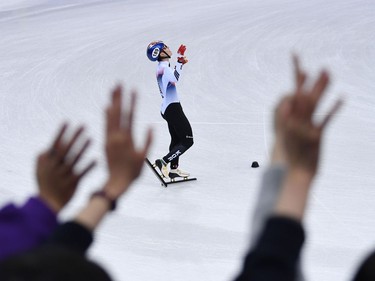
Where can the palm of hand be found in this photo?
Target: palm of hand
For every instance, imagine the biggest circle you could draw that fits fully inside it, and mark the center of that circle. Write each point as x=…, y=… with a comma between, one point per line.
x=56, y=175
x=124, y=161
x=301, y=137
x=55, y=180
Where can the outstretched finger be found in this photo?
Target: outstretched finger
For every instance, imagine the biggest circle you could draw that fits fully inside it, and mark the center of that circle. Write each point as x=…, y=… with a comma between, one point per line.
x=299, y=75
x=319, y=86
x=129, y=117
x=57, y=140
x=114, y=110
x=73, y=140
x=88, y=168
x=81, y=152
x=331, y=113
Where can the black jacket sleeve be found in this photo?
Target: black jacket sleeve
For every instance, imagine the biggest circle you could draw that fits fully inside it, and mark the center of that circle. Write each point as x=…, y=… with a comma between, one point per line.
x=274, y=257
x=72, y=235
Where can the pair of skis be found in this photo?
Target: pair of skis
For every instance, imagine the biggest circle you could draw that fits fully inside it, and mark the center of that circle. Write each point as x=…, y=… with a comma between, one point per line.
x=164, y=182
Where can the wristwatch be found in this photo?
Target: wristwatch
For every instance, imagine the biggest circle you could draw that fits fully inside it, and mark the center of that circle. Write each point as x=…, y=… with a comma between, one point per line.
x=103, y=194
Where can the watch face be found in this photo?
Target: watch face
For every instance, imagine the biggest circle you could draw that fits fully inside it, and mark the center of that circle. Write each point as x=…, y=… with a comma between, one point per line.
x=103, y=194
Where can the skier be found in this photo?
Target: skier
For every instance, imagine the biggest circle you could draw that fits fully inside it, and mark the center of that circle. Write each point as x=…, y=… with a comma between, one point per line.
x=171, y=109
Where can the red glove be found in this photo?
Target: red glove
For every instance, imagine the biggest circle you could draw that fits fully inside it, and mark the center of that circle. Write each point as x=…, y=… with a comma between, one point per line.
x=181, y=50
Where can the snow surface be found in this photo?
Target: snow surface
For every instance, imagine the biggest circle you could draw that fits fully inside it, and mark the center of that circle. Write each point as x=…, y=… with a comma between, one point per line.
x=59, y=59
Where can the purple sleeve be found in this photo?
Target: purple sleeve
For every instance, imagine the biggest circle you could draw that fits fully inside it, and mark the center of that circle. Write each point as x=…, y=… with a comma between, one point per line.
x=22, y=228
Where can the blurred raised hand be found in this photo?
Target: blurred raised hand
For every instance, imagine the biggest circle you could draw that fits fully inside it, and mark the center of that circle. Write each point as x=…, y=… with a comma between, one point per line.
x=124, y=160
x=57, y=174
x=301, y=139
x=301, y=136
x=278, y=151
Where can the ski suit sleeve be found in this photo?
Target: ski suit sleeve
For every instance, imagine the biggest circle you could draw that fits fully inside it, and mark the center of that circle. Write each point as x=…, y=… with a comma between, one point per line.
x=25, y=227
x=173, y=75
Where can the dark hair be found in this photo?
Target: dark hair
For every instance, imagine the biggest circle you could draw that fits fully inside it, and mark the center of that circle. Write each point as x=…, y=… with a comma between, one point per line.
x=366, y=271
x=51, y=264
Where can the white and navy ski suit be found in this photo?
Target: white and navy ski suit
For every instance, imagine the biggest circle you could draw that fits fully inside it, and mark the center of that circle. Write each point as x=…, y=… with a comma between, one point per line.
x=171, y=110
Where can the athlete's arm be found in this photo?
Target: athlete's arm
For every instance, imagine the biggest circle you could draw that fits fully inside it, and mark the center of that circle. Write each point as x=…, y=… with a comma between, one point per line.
x=173, y=75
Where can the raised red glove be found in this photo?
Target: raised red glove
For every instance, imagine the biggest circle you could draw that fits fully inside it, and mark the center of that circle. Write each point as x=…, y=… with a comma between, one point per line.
x=181, y=50
x=182, y=60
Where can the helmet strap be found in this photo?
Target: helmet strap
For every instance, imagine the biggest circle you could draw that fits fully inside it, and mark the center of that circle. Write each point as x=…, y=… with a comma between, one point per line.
x=167, y=56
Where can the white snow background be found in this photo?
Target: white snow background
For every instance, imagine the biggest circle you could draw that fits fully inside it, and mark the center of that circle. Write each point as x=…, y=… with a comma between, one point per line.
x=59, y=60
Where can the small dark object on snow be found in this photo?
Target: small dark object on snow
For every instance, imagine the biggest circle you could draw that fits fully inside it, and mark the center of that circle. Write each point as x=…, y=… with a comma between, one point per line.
x=255, y=164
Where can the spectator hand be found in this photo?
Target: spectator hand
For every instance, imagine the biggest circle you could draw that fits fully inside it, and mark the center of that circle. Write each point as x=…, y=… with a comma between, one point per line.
x=278, y=153
x=124, y=161
x=301, y=136
x=56, y=175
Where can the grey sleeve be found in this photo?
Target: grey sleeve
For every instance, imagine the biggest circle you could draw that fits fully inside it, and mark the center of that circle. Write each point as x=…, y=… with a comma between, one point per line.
x=267, y=195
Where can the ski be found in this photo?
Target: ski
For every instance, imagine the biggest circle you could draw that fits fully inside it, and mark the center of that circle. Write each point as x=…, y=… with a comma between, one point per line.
x=163, y=182
x=162, y=179
x=181, y=180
